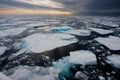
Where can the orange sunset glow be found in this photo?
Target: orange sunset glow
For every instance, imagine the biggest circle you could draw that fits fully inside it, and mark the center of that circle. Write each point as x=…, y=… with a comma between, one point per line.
x=36, y=11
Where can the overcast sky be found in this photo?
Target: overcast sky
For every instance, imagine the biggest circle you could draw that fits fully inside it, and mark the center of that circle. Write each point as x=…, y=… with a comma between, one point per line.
x=68, y=5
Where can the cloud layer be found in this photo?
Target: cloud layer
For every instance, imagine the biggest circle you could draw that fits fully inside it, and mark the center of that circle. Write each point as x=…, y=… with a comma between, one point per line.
x=69, y=5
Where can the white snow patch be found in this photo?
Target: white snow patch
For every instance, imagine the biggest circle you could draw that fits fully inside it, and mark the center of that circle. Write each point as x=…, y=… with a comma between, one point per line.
x=111, y=42
x=79, y=32
x=14, y=31
x=43, y=77
x=101, y=31
x=4, y=77
x=82, y=57
x=21, y=74
x=31, y=73
x=43, y=42
x=2, y=50
x=114, y=60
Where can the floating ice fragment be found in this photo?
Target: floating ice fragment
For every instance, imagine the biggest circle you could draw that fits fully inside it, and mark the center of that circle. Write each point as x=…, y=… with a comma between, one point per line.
x=101, y=31
x=82, y=57
x=112, y=42
x=43, y=42
x=114, y=60
x=2, y=50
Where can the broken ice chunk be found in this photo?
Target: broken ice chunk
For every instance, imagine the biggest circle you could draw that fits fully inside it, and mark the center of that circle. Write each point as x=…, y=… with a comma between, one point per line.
x=43, y=42
x=82, y=57
x=14, y=31
x=112, y=42
x=111, y=24
x=101, y=31
x=79, y=32
x=114, y=60
x=2, y=50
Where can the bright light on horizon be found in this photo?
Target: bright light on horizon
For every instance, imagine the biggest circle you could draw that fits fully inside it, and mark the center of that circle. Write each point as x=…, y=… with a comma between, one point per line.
x=36, y=11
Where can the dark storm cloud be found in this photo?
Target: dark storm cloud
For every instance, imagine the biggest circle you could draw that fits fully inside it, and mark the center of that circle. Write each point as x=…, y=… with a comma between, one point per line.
x=76, y=5
x=104, y=5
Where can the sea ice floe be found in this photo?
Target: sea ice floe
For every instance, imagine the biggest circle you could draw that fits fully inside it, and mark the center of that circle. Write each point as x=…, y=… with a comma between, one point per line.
x=30, y=73
x=2, y=50
x=111, y=24
x=83, y=57
x=40, y=42
x=112, y=42
x=79, y=32
x=114, y=60
x=14, y=31
x=21, y=74
x=101, y=31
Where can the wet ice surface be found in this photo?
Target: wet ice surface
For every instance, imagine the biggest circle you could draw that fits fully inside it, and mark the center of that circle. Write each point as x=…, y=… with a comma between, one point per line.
x=37, y=47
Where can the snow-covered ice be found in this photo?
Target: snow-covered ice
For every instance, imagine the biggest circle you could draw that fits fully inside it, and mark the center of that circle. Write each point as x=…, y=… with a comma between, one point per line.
x=43, y=77
x=30, y=73
x=40, y=42
x=101, y=31
x=2, y=50
x=114, y=60
x=83, y=57
x=112, y=42
x=4, y=77
x=21, y=74
x=79, y=32
x=14, y=31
